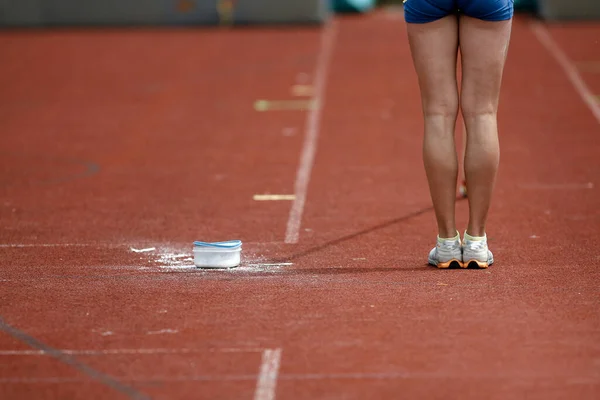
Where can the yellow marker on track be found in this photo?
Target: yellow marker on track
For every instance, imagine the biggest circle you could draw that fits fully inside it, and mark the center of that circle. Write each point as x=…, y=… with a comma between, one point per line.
x=274, y=197
x=279, y=105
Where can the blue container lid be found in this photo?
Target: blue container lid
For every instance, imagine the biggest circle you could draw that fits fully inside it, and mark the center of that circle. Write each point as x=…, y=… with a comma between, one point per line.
x=230, y=244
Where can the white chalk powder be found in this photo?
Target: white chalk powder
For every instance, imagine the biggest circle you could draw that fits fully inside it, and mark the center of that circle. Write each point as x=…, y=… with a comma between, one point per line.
x=180, y=258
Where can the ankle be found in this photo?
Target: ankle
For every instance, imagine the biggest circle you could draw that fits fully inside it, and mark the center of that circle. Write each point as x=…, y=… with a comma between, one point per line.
x=469, y=235
x=475, y=230
x=448, y=235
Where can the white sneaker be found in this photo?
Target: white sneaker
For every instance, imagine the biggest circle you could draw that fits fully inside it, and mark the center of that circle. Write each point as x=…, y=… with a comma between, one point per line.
x=476, y=252
x=446, y=252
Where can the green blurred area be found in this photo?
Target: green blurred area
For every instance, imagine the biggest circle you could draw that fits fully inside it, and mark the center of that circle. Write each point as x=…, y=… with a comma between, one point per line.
x=526, y=5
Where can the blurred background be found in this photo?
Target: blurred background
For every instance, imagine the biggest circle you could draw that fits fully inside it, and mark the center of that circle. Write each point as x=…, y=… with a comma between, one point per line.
x=212, y=12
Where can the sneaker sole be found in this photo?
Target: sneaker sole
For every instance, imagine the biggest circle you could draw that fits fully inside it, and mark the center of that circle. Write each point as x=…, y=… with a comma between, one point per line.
x=475, y=263
x=448, y=264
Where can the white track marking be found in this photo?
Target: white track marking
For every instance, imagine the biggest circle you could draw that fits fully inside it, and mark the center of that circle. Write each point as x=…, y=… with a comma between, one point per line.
x=162, y=331
x=20, y=245
x=107, y=352
x=273, y=197
x=350, y=376
x=283, y=264
x=311, y=135
x=267, y=377
x=143, y=250
x=107, y=245
x=568, y=67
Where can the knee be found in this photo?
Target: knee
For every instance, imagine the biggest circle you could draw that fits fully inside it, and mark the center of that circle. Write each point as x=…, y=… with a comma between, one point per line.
x=447, y=108
x=474, y=108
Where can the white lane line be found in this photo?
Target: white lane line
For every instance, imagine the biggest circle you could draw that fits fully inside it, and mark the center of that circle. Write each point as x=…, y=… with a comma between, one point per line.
x=132, y=248
x=267, y=377
x=568, y=67
x=271, y=265
x=311, y=134
x=352, y=376
x=19, y=245
x=91, y=352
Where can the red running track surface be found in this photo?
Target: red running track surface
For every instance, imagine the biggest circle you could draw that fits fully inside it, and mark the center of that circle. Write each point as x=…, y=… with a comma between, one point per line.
x=114, y=140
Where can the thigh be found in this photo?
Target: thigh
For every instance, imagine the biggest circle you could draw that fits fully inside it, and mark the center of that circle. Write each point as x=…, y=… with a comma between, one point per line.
x=483, y=50
x=434, y=48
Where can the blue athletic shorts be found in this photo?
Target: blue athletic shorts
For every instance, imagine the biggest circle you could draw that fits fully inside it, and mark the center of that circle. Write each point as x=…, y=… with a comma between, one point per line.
x=422, y=11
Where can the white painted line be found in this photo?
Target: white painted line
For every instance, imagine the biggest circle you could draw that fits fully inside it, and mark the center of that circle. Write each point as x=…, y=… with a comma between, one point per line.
x=278, y=105
x=267, y=377
x=276, y=265
x=19, y=245
x=352, y=376
x=273, y=197
x=143, y=250
x=568, y=67
x=107, y=352
x=162, y=331
x=272, y=265
x=110, y=246
x=311, y=136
